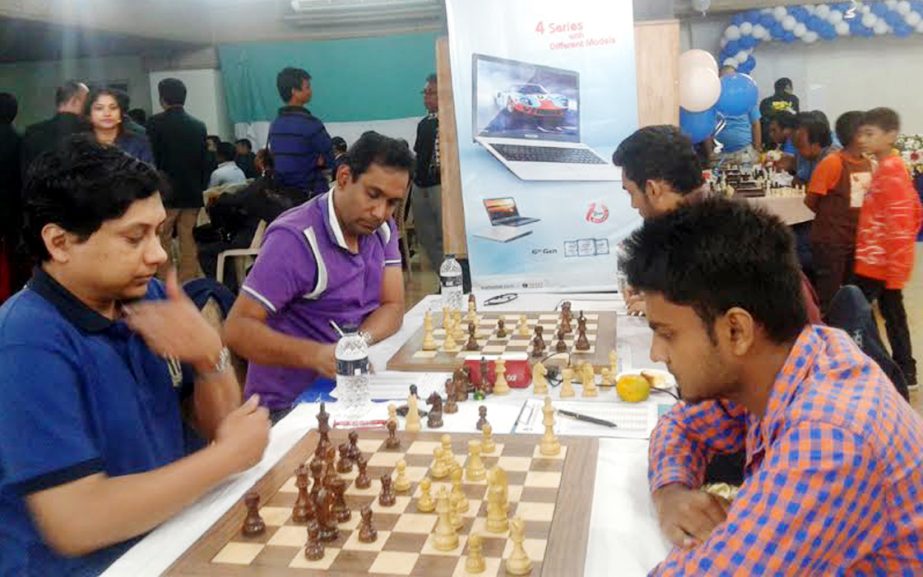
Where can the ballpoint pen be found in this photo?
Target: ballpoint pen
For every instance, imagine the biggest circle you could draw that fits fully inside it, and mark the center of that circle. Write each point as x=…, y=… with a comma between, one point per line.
x=588, y=419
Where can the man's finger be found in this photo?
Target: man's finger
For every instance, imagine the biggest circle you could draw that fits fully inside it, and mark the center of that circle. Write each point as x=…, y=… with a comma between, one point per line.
x=174, y=292
x=251, y=404
x=676, y=535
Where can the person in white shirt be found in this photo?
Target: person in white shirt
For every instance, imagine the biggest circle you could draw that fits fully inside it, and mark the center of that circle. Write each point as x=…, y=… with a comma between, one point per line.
x=227, y=172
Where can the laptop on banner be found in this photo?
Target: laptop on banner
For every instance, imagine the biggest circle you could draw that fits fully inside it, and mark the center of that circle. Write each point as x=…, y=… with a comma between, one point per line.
x=528, y=117
x=505, y=222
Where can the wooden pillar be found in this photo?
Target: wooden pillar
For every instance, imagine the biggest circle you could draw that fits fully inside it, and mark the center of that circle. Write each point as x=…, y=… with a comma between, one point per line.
x=453, y=213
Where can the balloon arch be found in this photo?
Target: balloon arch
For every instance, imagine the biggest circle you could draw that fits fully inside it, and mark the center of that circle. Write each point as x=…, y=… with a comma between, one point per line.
x=811, y=23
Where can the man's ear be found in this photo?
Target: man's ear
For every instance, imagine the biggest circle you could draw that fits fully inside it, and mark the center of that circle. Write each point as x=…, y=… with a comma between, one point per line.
x=344, y=175
x=57, y=242
x=741, y=330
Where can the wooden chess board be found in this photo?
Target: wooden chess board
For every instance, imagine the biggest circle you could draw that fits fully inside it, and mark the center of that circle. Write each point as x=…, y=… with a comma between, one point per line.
x=601, y=332
x=553, y=495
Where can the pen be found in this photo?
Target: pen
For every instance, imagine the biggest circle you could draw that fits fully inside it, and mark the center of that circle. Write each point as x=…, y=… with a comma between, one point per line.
x=588, y=419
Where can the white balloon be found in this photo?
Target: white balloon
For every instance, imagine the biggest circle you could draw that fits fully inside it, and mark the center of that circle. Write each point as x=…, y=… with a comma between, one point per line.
x=701, y=5
x=810, y=37
x=920, y=28
x=691, y=60
x=779, y=12
x=760, y=33
x=800, y=30
x=842, y=29
x=881, y=28
x=742, y=56
x=732, y=62
x=699, y=89
x=891, y=4
x=869, y=20
x=810, y=9
x=732, y=33
x=746, y=29
x=865, y=9
x=913, y=19
x=903, y=7
x=789, y=22
x=835, y=17
x=822, y=10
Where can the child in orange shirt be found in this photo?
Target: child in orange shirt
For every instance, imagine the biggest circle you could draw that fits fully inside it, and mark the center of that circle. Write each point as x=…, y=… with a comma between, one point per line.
x=888, y=224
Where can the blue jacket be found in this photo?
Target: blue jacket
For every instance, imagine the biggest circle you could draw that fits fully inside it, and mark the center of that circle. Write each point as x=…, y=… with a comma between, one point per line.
x=136, y=145
x=297, y=139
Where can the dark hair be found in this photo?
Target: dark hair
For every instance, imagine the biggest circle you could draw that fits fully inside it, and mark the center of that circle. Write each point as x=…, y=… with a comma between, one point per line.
x=847, y=125
x=290, y=79
x=816, y=127
x=123, y=98
x=172, y=91
x=80, y=185
x=883, y=118
x=105, y=91
x=246, y=142
x=660, y=153
x=434, y=78
x=9, y=108
x=265, y=156
x=213, y=138
x=373, y=148
x=786, y=120
x=225, y=151
x=67, y=91
x=718, y=254
x=138, y=115
x=339, y=144
x=783, y=83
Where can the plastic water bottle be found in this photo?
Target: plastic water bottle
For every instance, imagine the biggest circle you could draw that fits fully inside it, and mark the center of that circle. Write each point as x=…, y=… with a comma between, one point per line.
x=352, y=355
x=450, y=277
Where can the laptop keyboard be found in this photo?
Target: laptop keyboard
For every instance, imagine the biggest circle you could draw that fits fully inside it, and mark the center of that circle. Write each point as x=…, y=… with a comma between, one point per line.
x=518, y=153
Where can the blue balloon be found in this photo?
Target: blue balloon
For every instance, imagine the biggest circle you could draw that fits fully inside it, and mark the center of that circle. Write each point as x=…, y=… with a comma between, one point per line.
x=879, y=9
x=777, y=31
x=903, y=31
x=737, y=19
x=732, y=47
x=698, y=125
x=767, y=21
x=738, y=95
x=789, y=37
x=748, y=42
x=799, y=12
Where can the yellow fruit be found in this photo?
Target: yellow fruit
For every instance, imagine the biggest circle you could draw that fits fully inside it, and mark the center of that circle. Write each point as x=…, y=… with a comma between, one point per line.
x=633, y=388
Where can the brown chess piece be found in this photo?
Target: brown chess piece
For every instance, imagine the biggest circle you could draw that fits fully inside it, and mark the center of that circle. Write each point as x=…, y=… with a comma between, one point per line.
x=386, y=498
x=582, y=343
x=482, y=417
x=462, y=384
x=392, y=442
x=566, y=327
x=253, y=523
x=330, y=470
x=344, y=465
x=323, y=428
x=339, y=509
x=303, y=511
x=485, y=378
x=560, y=346
x=501, y=329
x=472, y=344
x=354, y=450
x=317, y=474
x=367, y=533
x=326, y=523
x=314, y=549
x=362, y=480
x=434, y=418
x=451, y=402
x=538, y=343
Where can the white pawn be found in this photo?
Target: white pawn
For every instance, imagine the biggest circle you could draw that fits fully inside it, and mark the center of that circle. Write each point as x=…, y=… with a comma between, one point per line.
x=412, y=421
x=474, y=469
x=438, y=470
x=487, y=442
x=518, y=563
x=501, y=387
x=549, y=446
x=613, y=364
x=567, y=383
x=588, y=377
x=523, y=326
x=475, y=563
x=450, y=344
x=539, y=379
x=425, y=503
x=401, y=482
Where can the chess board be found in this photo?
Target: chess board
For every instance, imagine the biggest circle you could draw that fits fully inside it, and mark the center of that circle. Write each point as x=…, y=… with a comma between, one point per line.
x=601, y=332
x=553, y=496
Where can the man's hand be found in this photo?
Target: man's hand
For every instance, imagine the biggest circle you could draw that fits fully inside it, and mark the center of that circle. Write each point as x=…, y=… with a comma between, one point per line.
x=687, y=517
x=325, y=361
x=244, y=434
x=175, y=328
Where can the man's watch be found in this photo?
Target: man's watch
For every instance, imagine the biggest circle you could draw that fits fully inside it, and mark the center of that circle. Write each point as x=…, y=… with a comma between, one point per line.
x=367, y=337
x=224, y=361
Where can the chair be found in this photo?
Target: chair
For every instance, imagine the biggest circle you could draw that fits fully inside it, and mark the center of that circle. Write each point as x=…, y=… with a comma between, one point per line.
x=243, y=257
x=405, y=227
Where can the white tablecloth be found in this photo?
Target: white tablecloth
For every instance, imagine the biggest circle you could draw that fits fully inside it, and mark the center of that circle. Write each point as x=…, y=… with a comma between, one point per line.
x=791, y=209
x=624, y=539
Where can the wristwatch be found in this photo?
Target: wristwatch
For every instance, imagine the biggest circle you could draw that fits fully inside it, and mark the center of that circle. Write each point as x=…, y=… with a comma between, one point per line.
x=367, y=337
x=224, y=361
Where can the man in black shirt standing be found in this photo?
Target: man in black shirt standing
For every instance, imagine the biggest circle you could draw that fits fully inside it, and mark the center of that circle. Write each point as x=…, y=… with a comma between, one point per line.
x=426, y=197
x=782, y=100
x=70, y=98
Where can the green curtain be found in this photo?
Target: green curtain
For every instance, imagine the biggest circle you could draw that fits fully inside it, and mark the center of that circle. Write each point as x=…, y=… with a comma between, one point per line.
x=353, y=80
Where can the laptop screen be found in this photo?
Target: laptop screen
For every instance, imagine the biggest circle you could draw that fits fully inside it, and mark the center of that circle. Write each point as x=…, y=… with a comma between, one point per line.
x=499, y=209
x=514, y=99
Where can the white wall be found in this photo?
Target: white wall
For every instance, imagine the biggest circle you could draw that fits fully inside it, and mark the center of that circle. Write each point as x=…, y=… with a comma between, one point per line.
x=835, y=76
x=204, y=98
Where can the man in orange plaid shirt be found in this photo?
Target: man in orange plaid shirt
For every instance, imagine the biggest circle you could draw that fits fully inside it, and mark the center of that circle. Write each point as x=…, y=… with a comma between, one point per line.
x=834, y=473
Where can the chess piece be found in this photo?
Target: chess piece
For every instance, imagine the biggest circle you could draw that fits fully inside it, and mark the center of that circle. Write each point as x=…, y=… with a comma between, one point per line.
x=613, y=364
x=446, y=319
x=549, y=446
x=538, y=343
x=457, y=493
x=354, y=450
x=488, y=445
x=449, y=344
x=475, y=563
x=501, y=387
x=445, y=539
x=589, y=381
x=472, y=316
x=567, y=383
x=401, y=483
x=314, y=549
x=330, y=470
x=482, y=417
x=564, y=325
x=457, y=325
x=448, y=457
x=607, y=380
x=386, y=498
x=344, y=465
x=485, y=378
x=326, y=524
x=501, y=329
x=518, y=563
x=392, y=442
x=539, y=379
x=497, y=476
x=425, y=503
x=497, y=521
x=339, y=508
x=474, y=468
x=253, y=523
x=561, y=345
x=455, y=517
x=472, y=344
x=412, y=420
x=523, y=328
x=317, y=473
x=451, y=398
x=429, y=342
x=392, y=412
x=303, y=510
x=434, y=418
x=323, y=429
x=362, y=479
x=582, y=343
x=367, y=532
x=438, y=470
x=462, y=378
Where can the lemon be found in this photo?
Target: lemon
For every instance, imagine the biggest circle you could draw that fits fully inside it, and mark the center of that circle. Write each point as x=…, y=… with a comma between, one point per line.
x=633, y=388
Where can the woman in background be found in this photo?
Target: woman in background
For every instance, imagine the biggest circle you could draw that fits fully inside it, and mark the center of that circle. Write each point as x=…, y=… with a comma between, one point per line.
x=105, y=115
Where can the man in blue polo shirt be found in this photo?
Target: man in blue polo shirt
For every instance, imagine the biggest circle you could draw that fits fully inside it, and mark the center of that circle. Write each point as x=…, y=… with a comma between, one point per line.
x=332, y=260
x=91, y=438
x=742, y=135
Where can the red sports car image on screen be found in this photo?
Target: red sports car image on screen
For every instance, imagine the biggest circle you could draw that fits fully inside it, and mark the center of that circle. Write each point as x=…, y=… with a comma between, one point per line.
x=532, y=100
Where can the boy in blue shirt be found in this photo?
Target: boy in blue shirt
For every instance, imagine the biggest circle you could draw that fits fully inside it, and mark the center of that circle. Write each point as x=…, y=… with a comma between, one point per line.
x=93, y=352
x=742, y=136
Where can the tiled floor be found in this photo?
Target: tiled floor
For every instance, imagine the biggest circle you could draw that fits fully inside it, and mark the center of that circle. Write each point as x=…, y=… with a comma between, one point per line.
x=424, y=282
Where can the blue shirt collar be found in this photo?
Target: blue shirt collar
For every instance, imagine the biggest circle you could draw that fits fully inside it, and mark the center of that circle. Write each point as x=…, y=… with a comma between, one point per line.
x=70, y=307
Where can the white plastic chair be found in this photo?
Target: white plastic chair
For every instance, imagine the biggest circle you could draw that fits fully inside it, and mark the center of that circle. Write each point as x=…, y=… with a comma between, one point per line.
x=243, y=257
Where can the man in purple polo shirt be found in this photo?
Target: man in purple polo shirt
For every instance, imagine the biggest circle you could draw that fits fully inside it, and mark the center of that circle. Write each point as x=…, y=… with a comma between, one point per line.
x=335, y=258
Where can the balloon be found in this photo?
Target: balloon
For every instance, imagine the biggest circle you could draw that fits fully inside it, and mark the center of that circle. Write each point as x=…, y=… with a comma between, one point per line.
x=701, y=5
x=891, y=4
x=749, y=42
x=835, y=17
x=746, y=28
x=699, y=89
x=913, y=19
x=903, y=8
x=799, y=30
x=767, y=20
x=729, y=62
x=698, y=125
x=822, y=11
x=742, y=56
x=881, y=27
x=789, y=22
x=732, y=47
x=869, y=20
x=738, y=19
x=738, y=95
x=760, y=33
x=732, y=33
x=903, y=31
x=810, y=37
x=779, y=12
x=692, y=59
x=879, y=9
x=920, y=28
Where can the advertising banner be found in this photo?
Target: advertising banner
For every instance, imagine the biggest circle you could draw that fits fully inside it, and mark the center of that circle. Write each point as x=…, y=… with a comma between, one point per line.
x=544, y=92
